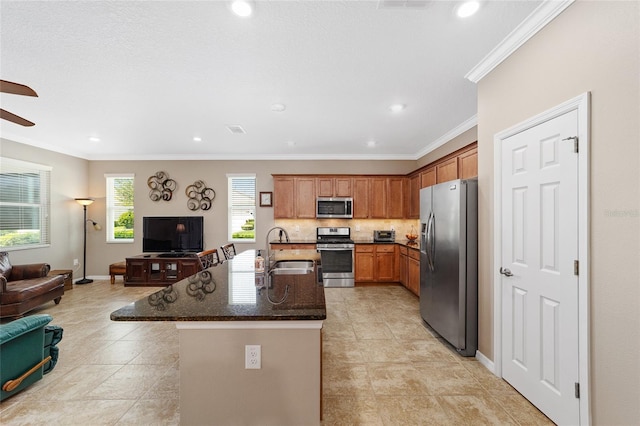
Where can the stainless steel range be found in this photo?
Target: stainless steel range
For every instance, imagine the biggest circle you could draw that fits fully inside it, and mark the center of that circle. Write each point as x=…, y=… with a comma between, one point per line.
x=336, y=256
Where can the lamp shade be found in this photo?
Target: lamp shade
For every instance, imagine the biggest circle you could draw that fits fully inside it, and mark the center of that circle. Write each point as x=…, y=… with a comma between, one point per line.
x=84, y=201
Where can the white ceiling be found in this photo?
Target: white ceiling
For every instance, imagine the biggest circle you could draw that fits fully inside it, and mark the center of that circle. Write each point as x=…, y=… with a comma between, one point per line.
x=147, y=77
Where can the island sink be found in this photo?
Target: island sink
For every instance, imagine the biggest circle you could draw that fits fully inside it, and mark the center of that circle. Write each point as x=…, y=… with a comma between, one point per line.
x=293, y=267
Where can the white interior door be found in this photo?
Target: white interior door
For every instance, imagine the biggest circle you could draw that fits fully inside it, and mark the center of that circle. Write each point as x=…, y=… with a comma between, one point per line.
x=539, y=247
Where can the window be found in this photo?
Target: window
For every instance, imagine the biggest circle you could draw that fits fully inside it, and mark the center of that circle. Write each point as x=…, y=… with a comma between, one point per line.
x=24, y=204
x=242, y=208
x=120, y=208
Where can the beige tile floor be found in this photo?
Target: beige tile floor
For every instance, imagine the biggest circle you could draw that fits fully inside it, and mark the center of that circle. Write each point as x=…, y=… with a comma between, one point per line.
x=380, y=367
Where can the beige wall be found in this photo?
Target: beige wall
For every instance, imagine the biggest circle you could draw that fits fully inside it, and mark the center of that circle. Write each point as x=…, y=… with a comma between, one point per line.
x=68, y=181
x=594, y=47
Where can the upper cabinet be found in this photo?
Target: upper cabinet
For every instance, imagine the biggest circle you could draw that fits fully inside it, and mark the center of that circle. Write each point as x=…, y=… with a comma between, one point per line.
x=428, y=177
x=327, y=186
x=294, y=197
x=462, y=164
x=468, y=164
x=361, y=197
x=283, y=197
x=305, y=199
x=447, y=170
x=374, y=196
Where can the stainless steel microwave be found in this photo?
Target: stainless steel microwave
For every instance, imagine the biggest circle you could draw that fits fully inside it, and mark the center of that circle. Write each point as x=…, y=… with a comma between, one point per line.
x=332, y=208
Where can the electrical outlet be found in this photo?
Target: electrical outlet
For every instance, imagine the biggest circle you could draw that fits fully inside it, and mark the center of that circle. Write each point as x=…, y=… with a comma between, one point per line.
x=357, y=228
x=297, y=228
x=75, y=262
x=252, y=357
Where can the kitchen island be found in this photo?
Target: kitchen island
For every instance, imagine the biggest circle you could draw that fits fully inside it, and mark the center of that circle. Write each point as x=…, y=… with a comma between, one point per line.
x=224, y=312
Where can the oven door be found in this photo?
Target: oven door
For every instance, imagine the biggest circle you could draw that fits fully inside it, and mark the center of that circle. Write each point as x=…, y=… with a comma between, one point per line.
x=337, y=267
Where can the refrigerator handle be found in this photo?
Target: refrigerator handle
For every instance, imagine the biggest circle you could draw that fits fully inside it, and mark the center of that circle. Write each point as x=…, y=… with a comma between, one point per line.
x=430, y=246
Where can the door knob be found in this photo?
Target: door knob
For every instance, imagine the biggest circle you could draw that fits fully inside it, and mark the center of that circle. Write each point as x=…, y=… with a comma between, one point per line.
x=506, y=272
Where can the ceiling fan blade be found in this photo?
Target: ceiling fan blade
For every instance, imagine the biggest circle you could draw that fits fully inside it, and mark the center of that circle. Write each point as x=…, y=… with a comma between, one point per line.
x=16, y=89
x=6, y=115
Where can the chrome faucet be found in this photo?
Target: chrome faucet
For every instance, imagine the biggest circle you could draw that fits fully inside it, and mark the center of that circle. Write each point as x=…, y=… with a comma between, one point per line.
x=268, y=257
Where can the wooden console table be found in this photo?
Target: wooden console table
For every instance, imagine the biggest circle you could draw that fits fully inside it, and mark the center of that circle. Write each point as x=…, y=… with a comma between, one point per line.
x=152, y=270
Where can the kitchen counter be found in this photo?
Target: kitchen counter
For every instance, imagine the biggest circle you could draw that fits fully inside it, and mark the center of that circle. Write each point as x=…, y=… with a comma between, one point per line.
x=220, y=314
x=228, y=292
x=405, y=243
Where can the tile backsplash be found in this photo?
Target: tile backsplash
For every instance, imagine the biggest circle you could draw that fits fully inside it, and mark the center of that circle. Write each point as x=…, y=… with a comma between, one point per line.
x=361, y=229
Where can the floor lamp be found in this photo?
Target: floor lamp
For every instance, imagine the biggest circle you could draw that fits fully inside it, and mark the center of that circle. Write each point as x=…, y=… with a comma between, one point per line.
x=84, y=202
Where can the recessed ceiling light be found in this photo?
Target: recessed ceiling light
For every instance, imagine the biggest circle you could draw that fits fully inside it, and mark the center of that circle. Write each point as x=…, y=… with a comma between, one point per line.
x=94, y=139
x=242, y=8
x=468, y=8
x=371, y=144
x=291, y=144
x=197, y=139
x=278, y=107
x=397, y=107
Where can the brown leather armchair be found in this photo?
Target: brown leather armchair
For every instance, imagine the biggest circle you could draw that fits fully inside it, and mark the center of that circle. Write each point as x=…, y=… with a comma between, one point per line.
x=25, y=287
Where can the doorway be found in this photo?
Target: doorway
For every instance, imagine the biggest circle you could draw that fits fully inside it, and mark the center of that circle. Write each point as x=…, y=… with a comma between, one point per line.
x=540, y=243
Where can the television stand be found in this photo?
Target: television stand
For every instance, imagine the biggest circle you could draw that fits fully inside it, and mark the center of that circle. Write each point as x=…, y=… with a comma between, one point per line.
x=174, y=254
x=159, y=270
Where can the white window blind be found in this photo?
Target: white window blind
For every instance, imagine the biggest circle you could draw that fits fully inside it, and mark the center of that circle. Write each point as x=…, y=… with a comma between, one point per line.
x=120, y=214
x=24, y=204
x=242, y=208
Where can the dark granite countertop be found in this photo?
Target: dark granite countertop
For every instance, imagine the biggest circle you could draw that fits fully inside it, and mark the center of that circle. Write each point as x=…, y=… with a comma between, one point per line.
x=406, y=243
x=230, y=292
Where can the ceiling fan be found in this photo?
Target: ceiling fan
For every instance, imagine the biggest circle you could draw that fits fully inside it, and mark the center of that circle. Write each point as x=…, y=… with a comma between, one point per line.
x=16, y=89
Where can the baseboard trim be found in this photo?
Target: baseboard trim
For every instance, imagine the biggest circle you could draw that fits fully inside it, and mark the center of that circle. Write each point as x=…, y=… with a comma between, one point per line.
x=482, y=359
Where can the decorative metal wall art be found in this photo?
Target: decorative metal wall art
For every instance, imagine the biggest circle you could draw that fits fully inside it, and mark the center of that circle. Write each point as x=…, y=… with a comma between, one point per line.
x=161, y=186
x=200, y=197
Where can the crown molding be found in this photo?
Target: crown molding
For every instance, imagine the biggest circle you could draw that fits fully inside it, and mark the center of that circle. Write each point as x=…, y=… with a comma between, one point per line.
x=537, y=20
x=456, y=131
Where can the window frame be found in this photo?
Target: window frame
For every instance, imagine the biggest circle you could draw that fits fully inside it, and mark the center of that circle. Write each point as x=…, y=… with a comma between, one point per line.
x=109, y=208
x=10, y=165
x=230, y=207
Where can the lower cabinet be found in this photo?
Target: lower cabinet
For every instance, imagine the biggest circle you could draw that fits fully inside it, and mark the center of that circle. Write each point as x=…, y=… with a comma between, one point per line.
x=375, y=263
x=156, y=271
x=413, y=271
x=409, y=267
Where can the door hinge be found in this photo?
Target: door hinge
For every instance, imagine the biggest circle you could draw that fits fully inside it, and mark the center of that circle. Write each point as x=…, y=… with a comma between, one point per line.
x=577, y=388
x=575, y=142
x=576, y=267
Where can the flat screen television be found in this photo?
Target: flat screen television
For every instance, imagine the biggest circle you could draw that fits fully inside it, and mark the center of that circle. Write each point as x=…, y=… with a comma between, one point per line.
x=172, y=234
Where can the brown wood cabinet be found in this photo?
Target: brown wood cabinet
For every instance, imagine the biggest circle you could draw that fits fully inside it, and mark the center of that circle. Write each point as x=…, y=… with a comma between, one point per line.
x=364, y=263
x=413, y=271
x=294, y=197
x=468, y=164
x=375, y=263
x=378, y=198
x=334, y=186
x=447, y=170
x=413, y=194
x=428, y=177
x=283, y=197
x=360, y=198
x=403, y=260
x=395, y=197
x=157, y=271
x=305, y=198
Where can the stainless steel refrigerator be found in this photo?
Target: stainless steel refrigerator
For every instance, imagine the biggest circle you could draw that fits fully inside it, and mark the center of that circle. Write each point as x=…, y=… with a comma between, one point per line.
x=449, y=262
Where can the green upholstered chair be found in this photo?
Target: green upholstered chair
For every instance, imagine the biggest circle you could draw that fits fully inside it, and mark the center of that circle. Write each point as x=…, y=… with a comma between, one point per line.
x=27, y=351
